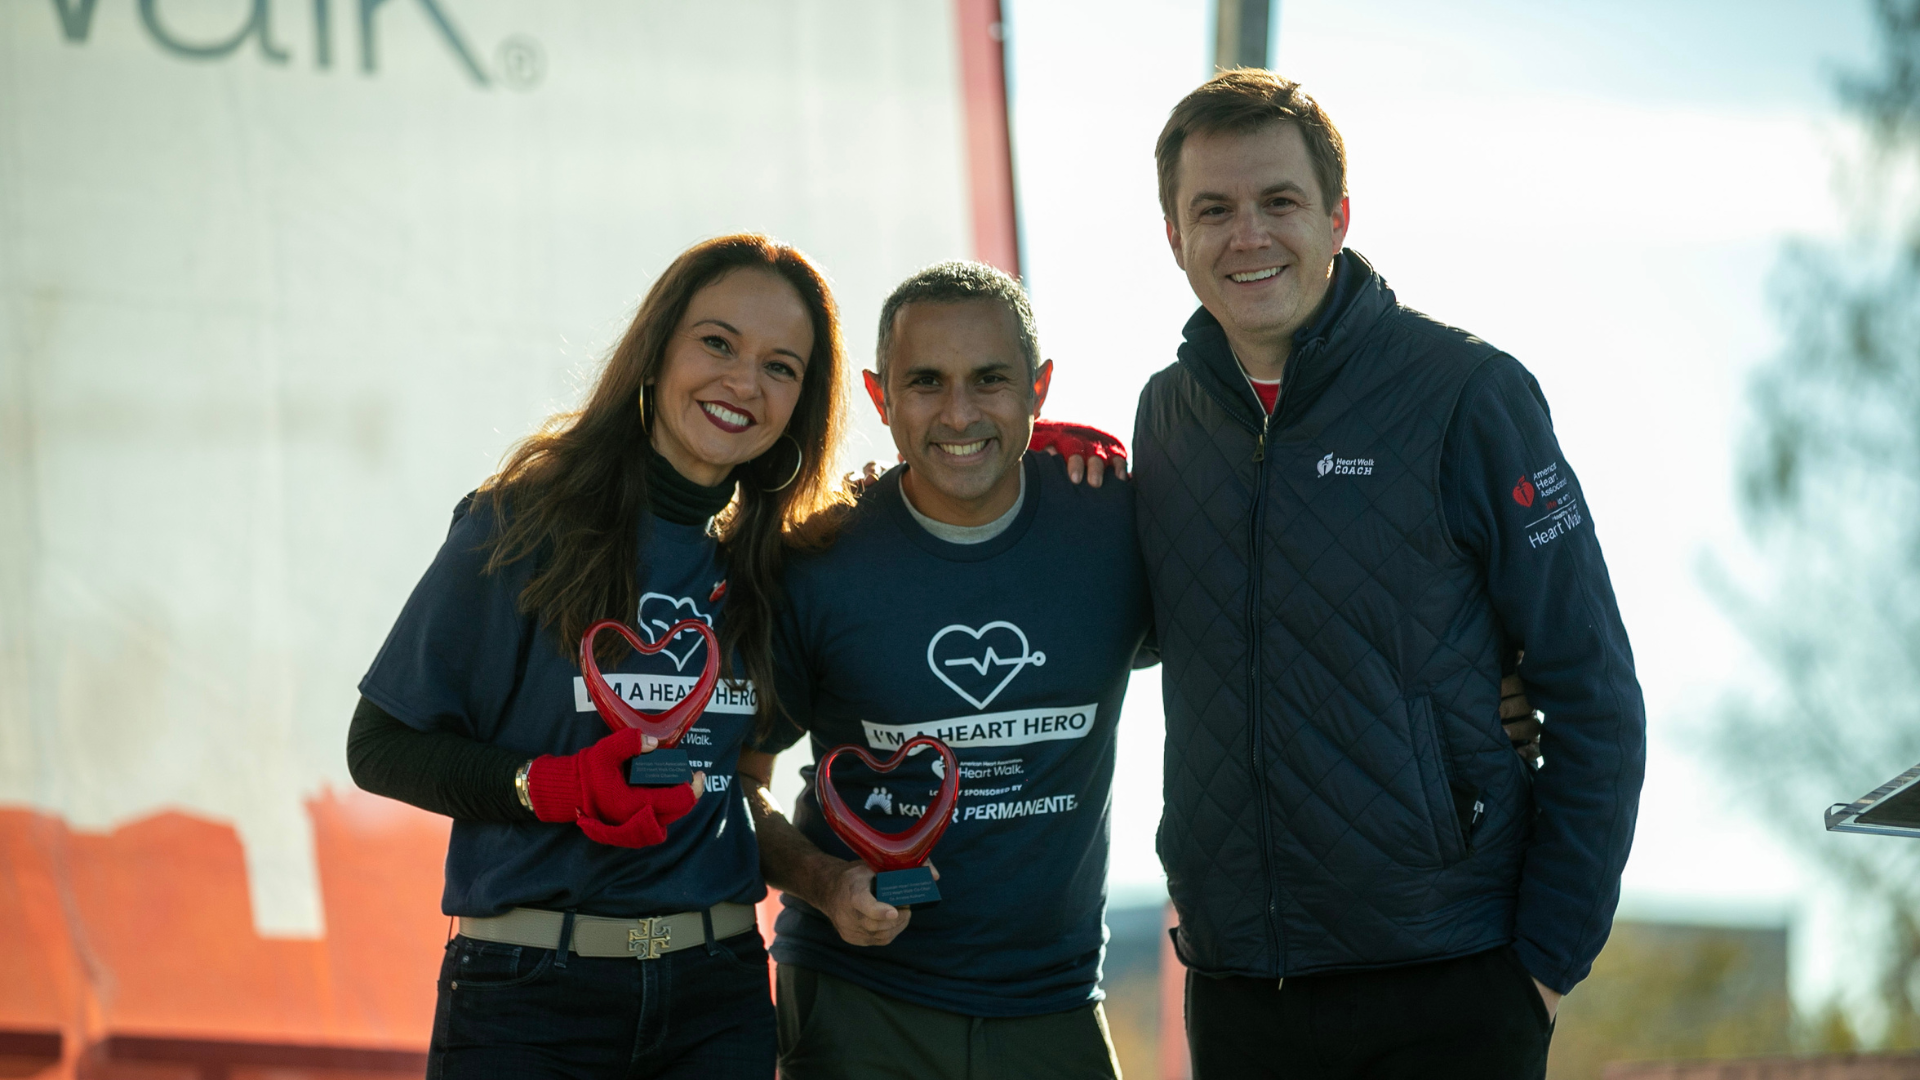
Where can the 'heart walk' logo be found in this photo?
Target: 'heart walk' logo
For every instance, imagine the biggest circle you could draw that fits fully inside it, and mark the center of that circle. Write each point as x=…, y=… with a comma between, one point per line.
x=658, y=613
x=1343, y=466
x=978, y=664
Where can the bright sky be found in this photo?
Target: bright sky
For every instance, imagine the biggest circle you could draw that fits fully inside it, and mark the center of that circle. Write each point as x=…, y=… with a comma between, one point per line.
x=1600, y=188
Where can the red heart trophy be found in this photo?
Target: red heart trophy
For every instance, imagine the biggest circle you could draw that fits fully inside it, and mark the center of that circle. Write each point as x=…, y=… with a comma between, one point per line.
x=899, y=859
x=667, y=765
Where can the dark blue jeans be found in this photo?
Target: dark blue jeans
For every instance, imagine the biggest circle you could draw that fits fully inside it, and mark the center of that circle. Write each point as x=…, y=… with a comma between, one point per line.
x=513, y=1011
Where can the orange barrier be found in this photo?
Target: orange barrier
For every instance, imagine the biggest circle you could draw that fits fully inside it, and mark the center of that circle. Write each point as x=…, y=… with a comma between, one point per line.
x=38, y=978
x=132, y=953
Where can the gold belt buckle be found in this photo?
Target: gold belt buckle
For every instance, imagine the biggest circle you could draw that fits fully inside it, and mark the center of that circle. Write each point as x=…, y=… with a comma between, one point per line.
x=648, y=939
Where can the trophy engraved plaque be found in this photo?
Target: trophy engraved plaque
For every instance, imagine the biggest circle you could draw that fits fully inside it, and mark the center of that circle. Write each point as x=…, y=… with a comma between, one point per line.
x=901, y=876
x=666, y=765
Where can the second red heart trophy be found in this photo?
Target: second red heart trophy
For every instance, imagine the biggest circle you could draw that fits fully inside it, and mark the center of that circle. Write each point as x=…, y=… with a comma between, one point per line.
x=901, y=875
x=667, y=765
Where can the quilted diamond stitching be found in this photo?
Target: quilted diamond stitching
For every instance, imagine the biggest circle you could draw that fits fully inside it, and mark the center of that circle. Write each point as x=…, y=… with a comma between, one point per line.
x=1344, y=787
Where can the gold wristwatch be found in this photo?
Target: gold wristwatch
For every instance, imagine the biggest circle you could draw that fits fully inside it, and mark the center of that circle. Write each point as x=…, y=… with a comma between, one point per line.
x=520, y=784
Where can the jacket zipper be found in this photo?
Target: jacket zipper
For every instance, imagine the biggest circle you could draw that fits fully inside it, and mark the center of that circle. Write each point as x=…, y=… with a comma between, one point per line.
x=1256, y=775
x=1253, y=636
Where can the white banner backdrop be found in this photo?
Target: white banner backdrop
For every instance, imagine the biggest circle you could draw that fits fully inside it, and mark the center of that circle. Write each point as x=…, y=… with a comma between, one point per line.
x=280, y=281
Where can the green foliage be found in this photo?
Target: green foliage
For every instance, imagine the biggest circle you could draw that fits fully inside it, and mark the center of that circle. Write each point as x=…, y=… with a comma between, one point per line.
x=1831, y=493
x=1889, y=99
x=1831, y=1033
x=1664, y=992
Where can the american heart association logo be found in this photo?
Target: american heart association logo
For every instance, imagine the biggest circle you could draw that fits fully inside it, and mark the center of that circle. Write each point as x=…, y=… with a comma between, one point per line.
x=974, y=658
x=658, y=613
x=1523, y=491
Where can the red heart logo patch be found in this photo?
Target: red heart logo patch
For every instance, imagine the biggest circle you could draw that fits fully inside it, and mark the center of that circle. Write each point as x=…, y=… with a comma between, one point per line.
x=666, y=726
x=1523, y=491
x=889, y=851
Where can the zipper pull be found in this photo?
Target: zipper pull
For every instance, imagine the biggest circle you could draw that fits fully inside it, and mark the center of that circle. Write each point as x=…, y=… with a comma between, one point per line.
x=1260, y=447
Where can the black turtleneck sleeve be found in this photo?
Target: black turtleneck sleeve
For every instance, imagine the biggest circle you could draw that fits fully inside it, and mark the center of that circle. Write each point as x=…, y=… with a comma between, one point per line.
x=437, y=771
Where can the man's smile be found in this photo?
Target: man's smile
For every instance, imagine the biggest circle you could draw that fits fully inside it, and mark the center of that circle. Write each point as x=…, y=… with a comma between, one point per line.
x=963, y=450
x=1247, y=277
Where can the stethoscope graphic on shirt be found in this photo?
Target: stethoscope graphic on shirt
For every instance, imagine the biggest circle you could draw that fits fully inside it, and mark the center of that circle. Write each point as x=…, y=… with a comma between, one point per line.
x=959, y=654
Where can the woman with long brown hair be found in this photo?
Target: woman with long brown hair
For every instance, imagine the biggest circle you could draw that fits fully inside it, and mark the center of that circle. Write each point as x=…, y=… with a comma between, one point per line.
x=670, y=495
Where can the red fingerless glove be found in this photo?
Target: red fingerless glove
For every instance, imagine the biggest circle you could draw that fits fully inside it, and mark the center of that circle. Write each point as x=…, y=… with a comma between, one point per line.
x=590, y=789
x=1075, y=440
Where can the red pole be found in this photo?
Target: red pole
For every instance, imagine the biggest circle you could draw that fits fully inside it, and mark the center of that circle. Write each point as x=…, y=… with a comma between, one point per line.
x=1174, y=1062
x=983, y=86
x=767, y=910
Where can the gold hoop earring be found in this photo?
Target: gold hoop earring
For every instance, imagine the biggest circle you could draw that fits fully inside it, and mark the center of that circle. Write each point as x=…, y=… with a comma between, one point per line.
x=643, y=407
x=799, y=460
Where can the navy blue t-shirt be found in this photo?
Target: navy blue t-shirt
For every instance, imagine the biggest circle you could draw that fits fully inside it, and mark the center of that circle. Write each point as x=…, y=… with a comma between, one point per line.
x=1016, y=652
x=462, y=658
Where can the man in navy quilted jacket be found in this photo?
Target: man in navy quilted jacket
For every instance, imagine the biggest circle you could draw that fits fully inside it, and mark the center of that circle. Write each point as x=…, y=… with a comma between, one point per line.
x=1351, y=513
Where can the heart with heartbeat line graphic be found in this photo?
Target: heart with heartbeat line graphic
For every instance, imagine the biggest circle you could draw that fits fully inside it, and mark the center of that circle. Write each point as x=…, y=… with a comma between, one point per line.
x=658, y=613
x=978, y=664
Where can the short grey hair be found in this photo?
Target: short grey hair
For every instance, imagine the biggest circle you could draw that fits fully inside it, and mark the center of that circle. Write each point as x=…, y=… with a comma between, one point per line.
x=955, y=282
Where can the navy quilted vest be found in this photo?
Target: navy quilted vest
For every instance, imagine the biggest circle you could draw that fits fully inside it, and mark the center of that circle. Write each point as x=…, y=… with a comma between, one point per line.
x=1339, y=792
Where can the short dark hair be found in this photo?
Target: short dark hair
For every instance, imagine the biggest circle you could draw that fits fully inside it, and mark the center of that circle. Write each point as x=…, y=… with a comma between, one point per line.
x=1247, y=99
x=957, y=282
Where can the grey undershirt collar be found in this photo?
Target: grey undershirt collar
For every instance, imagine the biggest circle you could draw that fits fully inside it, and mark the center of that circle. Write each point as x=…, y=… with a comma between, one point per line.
x=970, y=534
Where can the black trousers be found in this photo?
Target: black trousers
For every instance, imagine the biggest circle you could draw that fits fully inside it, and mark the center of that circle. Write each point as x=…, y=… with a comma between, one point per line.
x=832, y=1029
x=1477, y=1018
x=513, y=1012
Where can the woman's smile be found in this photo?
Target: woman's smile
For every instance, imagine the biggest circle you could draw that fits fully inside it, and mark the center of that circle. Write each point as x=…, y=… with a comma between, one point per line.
x=727, y=416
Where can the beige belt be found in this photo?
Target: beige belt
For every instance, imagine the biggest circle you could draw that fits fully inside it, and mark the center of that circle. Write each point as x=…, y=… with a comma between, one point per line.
x=593, y=935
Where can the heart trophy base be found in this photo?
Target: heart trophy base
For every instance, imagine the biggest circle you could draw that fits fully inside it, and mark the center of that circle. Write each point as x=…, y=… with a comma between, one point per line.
x=902, y=887
x=664, y=767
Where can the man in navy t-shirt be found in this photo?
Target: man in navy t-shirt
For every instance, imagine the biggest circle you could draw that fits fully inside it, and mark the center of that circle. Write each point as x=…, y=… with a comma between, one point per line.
x=993, y=603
